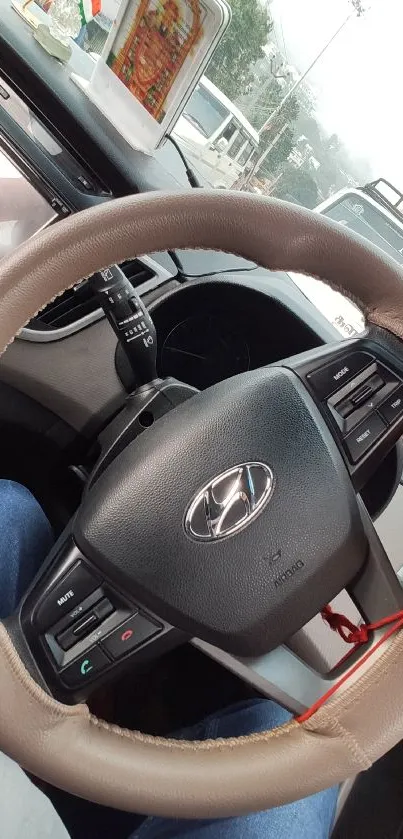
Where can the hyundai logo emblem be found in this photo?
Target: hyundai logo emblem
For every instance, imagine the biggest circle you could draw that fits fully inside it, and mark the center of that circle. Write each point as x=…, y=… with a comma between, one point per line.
x=229, y=502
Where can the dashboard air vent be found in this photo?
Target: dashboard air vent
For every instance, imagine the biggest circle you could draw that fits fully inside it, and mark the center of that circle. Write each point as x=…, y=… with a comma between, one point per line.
x=78, y=304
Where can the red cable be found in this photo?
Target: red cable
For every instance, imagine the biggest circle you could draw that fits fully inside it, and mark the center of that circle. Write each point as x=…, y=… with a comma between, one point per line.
x=356, y=634
x=339, y=623
x=398, y=618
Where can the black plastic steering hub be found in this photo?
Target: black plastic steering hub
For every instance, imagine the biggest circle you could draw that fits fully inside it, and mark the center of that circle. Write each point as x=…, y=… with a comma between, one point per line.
x=233, y=518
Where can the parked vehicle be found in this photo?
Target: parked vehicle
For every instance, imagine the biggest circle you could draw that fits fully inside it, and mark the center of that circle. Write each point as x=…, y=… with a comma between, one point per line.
x=215, y=135
x=374, y=211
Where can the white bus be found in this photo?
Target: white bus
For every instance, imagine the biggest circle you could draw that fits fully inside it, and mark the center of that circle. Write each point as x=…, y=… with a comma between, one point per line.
x=215, y=135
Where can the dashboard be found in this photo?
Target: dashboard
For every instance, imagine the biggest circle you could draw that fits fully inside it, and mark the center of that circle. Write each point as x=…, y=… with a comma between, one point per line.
x=211, y=330
x=205, y=348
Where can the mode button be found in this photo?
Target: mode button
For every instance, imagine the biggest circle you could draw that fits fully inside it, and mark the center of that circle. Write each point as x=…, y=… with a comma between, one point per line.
x=332, y=377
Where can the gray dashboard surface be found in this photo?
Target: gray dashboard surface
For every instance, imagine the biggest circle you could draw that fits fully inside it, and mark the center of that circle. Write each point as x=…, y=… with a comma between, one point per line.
x=76, y=379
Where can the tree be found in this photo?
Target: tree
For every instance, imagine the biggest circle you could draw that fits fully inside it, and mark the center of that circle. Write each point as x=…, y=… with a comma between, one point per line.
x=358, y=6
x=333, y=144
x=329, y=175
x=278, y=154
x=288, y=114
x=258, y=107
x=297, y=185
x=240, y=47
x=309, y=127
x=283, y=144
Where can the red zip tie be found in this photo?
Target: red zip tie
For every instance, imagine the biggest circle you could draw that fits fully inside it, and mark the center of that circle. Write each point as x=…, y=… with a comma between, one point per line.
x=396, y=620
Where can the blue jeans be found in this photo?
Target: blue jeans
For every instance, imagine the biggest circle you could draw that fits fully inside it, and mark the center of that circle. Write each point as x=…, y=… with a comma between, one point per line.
x=310, y=818
x=25, y=539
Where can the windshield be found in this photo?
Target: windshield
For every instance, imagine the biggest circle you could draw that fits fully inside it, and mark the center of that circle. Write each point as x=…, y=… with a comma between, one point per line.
x=300, y=101
x=356, y=213
x=207, y=113
x=327, y=117
x=23, y=211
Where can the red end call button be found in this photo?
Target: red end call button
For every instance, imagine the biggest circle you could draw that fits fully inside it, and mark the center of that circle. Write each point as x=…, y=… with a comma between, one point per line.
x=133, y=632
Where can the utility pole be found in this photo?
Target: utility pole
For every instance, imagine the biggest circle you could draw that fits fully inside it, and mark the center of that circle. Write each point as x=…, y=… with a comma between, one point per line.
x=273, y=116
x=274, y=142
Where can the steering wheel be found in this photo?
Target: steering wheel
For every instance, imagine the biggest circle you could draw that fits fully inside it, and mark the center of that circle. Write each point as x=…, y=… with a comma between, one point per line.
x=232, y=519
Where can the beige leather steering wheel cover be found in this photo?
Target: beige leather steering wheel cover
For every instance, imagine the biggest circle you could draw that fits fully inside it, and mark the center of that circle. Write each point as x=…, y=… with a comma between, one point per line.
x=66, y=745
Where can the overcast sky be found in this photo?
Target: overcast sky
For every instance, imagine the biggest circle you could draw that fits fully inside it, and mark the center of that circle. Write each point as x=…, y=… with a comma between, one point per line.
x=359, y=80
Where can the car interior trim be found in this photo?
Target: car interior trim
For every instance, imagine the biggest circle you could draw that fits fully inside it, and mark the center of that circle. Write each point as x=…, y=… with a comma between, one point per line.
x=162, y=275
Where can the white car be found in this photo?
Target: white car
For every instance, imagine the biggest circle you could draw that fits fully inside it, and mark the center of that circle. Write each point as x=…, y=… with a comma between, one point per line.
x=373, y=212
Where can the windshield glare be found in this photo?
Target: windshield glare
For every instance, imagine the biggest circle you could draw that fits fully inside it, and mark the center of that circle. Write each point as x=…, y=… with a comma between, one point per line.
x=309, y=84
x=206, y=111
x=300, y=101
x=358, y=214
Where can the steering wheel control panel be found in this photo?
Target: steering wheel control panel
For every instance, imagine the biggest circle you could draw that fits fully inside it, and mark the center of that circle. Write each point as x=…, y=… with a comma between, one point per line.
x=84, y=627
x=362, y=397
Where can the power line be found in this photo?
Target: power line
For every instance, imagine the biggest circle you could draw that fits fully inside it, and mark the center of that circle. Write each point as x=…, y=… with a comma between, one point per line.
x=273, y=116
x=283, y=39
x=274, y=34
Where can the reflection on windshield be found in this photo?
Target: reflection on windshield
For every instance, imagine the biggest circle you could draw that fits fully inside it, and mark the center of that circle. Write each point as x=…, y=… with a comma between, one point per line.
x=359, y=215
x=308, y=84
x=299, y=101
x=22, y=210
x=19, y=111
x=205, y=111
